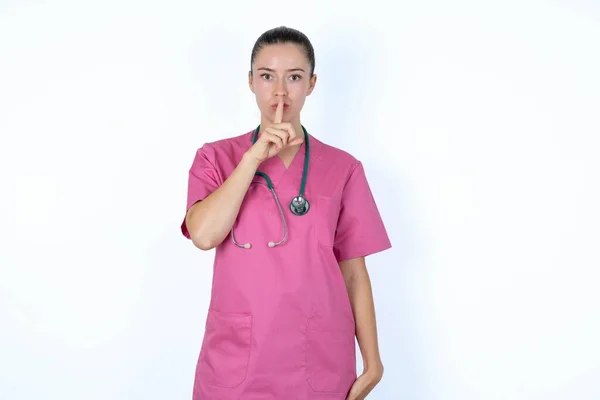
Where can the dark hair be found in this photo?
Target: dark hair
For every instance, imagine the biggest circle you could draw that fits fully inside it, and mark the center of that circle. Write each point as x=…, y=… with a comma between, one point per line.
x=282, y=35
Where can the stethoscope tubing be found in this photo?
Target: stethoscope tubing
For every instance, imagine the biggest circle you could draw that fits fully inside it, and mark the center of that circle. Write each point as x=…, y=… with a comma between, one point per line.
x=299, y=210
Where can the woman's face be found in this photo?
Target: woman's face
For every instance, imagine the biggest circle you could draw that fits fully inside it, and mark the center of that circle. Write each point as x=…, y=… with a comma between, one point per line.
x=281, y=71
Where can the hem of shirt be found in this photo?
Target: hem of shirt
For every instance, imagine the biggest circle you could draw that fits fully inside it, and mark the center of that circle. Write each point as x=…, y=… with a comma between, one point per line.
x=364, y=252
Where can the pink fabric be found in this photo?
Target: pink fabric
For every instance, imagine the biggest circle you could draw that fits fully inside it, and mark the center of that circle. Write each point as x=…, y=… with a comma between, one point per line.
x=280, y=324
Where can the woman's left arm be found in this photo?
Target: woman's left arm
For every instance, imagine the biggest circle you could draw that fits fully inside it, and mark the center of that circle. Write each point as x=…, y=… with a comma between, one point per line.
x=358, y=285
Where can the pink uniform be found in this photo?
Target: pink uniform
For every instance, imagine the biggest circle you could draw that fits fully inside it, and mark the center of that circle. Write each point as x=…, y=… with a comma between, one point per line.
x=280, y=324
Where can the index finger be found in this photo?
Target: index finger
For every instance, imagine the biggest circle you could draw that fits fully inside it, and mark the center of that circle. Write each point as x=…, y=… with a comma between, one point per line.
x=279, y=112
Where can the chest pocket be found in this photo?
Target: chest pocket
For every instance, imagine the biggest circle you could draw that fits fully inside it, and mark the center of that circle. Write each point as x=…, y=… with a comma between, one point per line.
x=319, y=223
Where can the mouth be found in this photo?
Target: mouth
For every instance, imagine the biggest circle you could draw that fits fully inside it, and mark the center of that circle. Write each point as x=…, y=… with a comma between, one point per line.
x=274, y=106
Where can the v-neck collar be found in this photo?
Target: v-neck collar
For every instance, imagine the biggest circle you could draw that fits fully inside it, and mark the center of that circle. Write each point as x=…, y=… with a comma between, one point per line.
x=299, y=153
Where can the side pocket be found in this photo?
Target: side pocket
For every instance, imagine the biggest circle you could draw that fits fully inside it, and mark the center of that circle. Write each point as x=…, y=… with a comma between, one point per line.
x=330, y=354
x=226, y=348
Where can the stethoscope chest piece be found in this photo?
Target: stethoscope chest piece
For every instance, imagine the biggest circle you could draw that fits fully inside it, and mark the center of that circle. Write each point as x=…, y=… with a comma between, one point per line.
x=299, y=205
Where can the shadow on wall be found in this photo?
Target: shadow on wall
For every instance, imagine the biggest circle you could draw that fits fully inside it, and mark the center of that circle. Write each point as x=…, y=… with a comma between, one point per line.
x=350, y=82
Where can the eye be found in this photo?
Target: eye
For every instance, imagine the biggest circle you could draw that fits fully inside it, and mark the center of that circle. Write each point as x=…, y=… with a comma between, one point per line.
x=266, y=76
x=295, y=77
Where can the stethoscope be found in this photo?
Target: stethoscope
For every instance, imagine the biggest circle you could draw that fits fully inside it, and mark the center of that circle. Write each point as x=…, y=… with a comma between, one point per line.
x=298, y=206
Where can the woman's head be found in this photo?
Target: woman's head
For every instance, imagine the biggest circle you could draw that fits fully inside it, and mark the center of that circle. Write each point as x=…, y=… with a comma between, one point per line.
x=282, y=65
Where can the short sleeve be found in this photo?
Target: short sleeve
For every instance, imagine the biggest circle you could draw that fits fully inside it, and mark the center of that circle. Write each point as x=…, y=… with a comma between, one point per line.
x=203, y=179
x=360, y=228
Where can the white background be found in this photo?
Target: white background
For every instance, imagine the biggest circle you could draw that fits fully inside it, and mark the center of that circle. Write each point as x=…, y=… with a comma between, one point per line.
x=477, y=123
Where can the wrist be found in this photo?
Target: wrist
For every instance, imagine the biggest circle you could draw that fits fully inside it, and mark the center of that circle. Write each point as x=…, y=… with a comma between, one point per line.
x=250, y=161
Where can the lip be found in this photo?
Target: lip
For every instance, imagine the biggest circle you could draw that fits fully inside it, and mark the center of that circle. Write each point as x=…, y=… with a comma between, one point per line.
x=285, y=106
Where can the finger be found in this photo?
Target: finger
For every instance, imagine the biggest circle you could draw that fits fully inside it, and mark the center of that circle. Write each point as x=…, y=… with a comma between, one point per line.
x=279, y=111
x=275, y=139
x=286, y=126
x=295, y=142
x=279, y=133
x=353, y=392
x=293, y=139
x=284, y=135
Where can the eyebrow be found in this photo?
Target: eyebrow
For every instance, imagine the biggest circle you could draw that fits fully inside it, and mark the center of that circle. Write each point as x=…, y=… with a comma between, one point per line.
x=272, y=70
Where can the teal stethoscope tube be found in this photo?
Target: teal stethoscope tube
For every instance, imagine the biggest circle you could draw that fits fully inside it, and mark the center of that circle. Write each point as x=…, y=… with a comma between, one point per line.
x=298, y=206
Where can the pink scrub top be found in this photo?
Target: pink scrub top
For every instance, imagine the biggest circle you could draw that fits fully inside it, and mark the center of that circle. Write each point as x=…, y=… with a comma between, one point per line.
x=280, y=324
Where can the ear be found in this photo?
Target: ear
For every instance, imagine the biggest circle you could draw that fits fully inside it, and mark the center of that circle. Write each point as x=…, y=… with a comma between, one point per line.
x=250, y=83
x=311, y=86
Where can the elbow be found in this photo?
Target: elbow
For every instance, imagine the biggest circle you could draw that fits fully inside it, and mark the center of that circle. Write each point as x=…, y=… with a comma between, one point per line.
x=203, y=243
x=203, y=236
x=206, y=241
x=197, y=233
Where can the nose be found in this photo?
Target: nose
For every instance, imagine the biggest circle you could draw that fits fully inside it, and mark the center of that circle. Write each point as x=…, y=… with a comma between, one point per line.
x=280, y=88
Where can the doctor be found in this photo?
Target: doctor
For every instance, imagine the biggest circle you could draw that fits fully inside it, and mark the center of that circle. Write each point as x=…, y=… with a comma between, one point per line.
x=291, y=220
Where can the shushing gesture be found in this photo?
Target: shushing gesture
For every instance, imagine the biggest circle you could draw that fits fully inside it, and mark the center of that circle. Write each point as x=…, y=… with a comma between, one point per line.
x=275, y=137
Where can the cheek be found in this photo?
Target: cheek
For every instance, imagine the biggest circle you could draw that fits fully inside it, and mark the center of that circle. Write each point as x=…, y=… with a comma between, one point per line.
x=263, y=85
x=262, y=94
x=298, y=97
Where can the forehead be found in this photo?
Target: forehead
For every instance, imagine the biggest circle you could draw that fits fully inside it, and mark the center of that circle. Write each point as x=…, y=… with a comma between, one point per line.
x=281, y=56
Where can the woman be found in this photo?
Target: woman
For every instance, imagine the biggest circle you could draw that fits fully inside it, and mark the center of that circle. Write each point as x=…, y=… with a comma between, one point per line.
x=290, y=288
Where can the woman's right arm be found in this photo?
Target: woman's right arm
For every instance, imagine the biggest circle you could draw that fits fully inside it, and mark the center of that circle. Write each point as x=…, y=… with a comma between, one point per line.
x=210, y=220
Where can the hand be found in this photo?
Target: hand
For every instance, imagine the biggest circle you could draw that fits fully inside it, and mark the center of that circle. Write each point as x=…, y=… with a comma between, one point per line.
x=365, y=384
x=275, y=137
